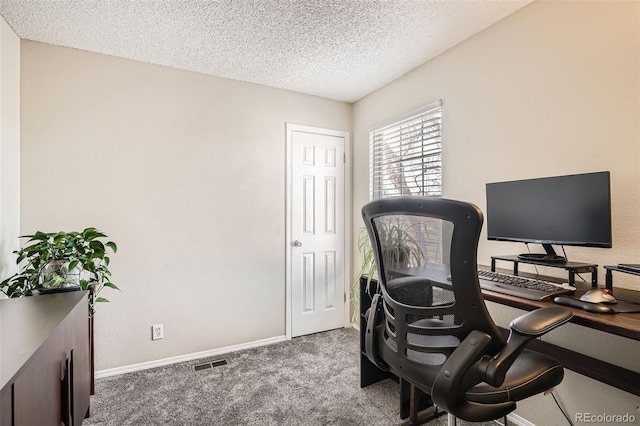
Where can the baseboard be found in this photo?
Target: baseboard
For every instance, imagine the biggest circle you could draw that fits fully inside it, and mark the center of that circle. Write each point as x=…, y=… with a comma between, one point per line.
x=188, y=357
x=518, y=421
x=355, y=326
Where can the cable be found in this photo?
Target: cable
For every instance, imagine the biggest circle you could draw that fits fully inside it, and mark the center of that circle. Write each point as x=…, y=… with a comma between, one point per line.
x=534, y=266
x=563, y=413
x=565, y=256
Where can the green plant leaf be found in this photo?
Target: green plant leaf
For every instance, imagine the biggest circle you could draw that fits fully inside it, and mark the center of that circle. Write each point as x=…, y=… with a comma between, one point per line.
x=111, y=285
x=113, y=246
x=96, y=245
x=97, y=254
x=38, y=236
x=100, y=299
x=89, y=265
x=91, y=234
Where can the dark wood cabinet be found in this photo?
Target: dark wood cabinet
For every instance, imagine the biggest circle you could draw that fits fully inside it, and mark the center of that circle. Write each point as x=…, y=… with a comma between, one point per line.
x=5, y=407
x=44, y=360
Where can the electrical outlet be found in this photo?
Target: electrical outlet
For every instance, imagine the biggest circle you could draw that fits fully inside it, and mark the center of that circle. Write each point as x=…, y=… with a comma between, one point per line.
x=157, y=332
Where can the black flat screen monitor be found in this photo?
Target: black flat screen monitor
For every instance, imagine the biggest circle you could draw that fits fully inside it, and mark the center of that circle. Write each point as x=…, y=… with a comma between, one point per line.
x=573, y=210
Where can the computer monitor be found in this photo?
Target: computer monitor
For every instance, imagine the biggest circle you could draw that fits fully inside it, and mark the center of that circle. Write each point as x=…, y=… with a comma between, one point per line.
x=573, y=210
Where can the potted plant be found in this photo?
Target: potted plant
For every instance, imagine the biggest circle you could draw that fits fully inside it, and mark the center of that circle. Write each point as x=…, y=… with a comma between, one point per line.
x=62, y=259
x=400, y=249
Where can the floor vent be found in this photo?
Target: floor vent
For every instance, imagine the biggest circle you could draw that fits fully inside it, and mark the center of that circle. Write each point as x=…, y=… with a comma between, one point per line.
x=208, y=365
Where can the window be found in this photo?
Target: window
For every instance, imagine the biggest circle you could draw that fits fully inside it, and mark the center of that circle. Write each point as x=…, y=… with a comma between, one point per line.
x=406, y=155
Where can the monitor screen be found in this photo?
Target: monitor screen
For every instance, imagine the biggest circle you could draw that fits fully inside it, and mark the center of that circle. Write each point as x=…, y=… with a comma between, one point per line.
x=566, y=210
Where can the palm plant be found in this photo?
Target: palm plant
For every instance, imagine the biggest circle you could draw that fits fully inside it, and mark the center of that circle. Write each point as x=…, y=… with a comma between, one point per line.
x=400, y=249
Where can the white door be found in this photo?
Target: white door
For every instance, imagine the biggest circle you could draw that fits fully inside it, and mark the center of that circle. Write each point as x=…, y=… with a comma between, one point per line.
x=316, y=237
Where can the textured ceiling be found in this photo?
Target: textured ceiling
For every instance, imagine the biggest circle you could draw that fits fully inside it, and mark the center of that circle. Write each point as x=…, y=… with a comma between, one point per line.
x=338, y=49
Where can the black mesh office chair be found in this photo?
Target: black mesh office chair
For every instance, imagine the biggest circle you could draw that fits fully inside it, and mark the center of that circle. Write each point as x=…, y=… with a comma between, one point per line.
x=430, y=327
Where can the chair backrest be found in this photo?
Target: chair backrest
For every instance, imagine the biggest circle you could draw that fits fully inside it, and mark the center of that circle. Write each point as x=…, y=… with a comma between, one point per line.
x=426, y=255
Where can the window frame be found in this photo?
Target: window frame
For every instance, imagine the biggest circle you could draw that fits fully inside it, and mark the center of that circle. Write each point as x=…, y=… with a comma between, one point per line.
x=377, y=144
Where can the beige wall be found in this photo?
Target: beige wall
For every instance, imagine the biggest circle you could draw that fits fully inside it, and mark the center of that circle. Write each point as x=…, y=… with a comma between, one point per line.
x=552, y=89
x=186, y=173
x=9, y=149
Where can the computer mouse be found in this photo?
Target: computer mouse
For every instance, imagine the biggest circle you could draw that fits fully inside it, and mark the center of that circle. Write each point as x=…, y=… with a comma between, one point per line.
x=598, y=295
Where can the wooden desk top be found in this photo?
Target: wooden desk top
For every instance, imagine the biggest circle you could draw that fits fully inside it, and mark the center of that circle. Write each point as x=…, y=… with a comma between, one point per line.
x=621, y=324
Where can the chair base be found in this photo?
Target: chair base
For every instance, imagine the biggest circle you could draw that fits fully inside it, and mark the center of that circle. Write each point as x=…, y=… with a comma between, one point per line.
x=452, y=420
x=417, y=417
x=423, y=417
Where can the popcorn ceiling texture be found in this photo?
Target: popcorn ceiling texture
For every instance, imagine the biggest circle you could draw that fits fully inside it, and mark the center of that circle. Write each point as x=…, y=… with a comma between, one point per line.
x=338, y=49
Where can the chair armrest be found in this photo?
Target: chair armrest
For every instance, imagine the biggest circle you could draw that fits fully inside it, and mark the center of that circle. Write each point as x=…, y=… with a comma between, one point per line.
x=524, y=328
x=373, y=314
x=468, y=366
x=462, y=370
x=538, y=322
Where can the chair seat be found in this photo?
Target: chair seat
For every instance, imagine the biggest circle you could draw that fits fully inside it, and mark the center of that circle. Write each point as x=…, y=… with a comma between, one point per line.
x=531, y=373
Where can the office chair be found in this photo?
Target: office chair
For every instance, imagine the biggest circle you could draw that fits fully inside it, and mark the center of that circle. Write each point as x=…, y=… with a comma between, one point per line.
x=429, y=324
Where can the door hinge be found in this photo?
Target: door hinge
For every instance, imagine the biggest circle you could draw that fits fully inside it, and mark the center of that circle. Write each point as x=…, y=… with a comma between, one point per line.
x=345, y=296
x=344, y=157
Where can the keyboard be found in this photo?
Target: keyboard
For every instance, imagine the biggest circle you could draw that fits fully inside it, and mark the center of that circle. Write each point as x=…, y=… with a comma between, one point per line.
x=527, y=288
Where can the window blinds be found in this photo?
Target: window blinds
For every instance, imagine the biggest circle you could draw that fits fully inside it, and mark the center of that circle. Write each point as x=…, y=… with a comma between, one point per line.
x=406, y=156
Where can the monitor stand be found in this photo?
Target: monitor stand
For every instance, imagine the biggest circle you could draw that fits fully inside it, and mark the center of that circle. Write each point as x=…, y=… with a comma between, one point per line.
x=572, y=267
x=549, y=257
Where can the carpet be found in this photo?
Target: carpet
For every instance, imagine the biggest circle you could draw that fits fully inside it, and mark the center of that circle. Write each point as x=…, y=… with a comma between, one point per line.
x=309, y=380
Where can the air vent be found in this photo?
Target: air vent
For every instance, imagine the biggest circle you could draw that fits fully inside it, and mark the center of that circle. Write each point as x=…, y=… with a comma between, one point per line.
x=208, y=365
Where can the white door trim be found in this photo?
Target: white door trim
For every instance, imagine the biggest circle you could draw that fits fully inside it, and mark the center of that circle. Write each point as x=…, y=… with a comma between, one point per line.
x=290, y=128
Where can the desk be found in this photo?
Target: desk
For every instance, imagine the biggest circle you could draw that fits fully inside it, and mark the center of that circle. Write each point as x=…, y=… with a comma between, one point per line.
x=625, y=325
x=621, y=324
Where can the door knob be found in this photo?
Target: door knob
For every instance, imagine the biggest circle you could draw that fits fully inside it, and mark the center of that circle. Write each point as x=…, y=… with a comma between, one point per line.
x=297, y=243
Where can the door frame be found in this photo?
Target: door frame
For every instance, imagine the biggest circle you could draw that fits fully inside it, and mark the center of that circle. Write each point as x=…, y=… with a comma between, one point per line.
x=290, y=128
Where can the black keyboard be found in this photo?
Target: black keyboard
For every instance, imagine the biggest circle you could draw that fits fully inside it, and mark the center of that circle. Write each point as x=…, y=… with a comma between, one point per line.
x=527, y=288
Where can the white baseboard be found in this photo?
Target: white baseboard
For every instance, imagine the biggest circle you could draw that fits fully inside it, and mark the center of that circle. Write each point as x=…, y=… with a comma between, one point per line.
x=188, y=357
x=518, y=421
x=355, y=326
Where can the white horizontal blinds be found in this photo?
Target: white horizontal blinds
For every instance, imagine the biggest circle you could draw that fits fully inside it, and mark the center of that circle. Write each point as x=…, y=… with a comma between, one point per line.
x=406, y=156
